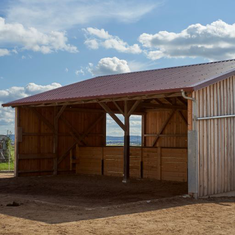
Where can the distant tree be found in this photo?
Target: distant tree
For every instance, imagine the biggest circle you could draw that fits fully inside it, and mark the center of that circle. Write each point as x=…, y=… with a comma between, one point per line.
x=9, y=147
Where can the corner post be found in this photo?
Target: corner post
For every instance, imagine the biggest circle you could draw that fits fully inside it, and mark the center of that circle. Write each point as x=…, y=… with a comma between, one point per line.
x=193, y=161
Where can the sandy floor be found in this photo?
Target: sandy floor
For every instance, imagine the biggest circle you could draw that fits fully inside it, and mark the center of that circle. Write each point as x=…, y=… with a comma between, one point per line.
x=98, y=205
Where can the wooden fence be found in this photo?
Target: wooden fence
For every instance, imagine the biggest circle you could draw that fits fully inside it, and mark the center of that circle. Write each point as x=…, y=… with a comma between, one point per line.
x=153, y=163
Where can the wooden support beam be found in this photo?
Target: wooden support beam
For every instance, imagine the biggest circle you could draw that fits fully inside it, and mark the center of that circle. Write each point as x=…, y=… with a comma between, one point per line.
x=17, y=124
x=142, y=97
x=159, y=153
x=71, y=159
x=113, y=115
x=60, y=112
x=92, y=126
x=134, y=107
x=143, y=130
x=51, y=134
x=36, y=134
x=190, y=115
x=168, y=100
x=163, y=127
x=165, y=135
x=34, y=171
x=182, y=116
x=66, y=153
x=118, y=107
x=56, y=137
x=36, y=156
x=159, y=101
x=73, y=132
x=79, y=138
x=126, y=144
x=43, y=119
x=84, y=110
x=165, y=106
x=182, y=100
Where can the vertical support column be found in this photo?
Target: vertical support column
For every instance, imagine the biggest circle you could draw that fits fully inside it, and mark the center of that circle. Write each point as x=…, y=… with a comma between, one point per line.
x=126, y=144
x=143, y=144
x=17, y=124
x=159, y=154
x=192, y=150
x=55, y=142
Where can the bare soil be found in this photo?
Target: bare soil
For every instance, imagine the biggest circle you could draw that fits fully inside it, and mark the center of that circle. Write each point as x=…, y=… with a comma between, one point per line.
x=104, y=205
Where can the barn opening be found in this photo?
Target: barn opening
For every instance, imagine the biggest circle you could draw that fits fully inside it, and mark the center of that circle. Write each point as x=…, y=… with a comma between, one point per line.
x=72, y=139
x=115, y=134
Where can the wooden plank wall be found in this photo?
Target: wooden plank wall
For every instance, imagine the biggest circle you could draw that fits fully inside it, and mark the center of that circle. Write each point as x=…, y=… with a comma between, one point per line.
x=113, y=161
x=37, y=155
x=37, y=138
x=176, y=126
x=216, y=142
x=157, y=163
x=89, y=160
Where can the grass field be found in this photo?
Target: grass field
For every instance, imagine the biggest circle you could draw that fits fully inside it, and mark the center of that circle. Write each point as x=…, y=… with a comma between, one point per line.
x=5, y=166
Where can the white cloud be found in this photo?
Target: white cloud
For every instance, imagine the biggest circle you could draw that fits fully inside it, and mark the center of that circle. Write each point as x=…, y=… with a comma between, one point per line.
x=109, y=66
x=64, y=14
x=212, y=41
x=13, y=93
x=113, y=129
x=66, y=70
x=15, y=51
x=31, y=39
x=100, y=33
x=4, y=52
x=140, y=66
x=80, y=71
x=100, y=38
x=92, y=44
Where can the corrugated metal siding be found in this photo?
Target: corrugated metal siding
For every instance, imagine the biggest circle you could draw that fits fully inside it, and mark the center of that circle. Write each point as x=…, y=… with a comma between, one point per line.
x=216, y=141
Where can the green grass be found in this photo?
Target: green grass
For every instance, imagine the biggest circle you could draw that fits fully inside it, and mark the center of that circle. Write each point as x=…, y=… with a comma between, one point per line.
x=5, y=166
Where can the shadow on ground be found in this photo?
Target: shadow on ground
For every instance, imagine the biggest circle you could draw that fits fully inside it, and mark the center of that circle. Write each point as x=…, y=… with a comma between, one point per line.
x=60, y=199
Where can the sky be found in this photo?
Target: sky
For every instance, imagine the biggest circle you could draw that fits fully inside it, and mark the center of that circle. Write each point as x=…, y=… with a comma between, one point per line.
x=50, y=43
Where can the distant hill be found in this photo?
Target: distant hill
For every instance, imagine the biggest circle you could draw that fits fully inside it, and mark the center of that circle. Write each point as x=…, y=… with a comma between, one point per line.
x=135, y=140
x=112, y=140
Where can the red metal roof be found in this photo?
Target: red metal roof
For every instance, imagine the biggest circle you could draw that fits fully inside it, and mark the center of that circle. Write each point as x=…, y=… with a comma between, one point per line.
x=189, y=78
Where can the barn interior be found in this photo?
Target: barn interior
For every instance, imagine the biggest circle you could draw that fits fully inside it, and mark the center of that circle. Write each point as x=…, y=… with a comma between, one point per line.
x=70, y=138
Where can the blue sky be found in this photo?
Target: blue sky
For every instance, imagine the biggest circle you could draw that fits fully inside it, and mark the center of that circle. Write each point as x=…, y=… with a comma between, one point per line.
x=48, y=43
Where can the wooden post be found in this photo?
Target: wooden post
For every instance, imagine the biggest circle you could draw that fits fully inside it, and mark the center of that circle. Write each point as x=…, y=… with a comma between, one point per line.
x=55, y=142
x=126, y=144
x=71, y=159
x=17, y=123
x=126, y=128
x=159, y=153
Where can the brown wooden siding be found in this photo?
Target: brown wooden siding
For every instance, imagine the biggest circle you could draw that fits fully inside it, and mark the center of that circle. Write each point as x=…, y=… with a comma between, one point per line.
x=168, y=164
x=176, y=126
x=37, y=138
x=37, y=153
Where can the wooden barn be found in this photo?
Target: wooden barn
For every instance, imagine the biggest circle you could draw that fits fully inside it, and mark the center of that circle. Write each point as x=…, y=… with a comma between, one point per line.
x=188, y=121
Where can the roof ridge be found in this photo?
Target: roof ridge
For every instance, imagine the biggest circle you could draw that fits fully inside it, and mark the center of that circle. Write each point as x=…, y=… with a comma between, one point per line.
x=180, y=66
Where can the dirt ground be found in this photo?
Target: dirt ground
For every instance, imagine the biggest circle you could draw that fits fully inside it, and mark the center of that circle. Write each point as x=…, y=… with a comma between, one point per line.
x=104, y=205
